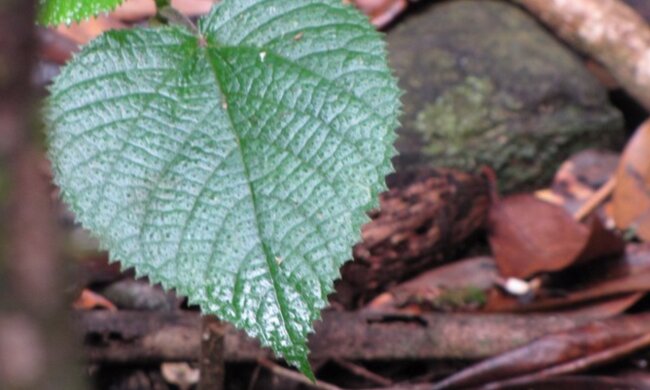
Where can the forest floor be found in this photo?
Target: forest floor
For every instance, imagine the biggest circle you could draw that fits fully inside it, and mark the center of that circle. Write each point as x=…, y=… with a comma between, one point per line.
x=454, y=284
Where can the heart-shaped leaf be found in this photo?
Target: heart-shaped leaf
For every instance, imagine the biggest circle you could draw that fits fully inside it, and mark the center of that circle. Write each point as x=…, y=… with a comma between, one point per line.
x=53, y=12
x=236, y=164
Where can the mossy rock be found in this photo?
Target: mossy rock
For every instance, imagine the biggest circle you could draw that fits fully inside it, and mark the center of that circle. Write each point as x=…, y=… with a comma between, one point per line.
x=487, y=85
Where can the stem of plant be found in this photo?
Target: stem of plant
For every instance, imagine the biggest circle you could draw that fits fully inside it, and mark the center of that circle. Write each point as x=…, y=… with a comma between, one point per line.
x=166, y=14
x=160, y=4
x=212, y=362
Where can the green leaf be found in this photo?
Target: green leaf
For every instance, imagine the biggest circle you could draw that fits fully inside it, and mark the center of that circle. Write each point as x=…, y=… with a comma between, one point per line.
x=53, y=12
x=237, y=165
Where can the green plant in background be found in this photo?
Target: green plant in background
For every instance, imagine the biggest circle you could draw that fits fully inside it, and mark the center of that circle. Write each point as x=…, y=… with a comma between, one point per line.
x=234, y=163
x=67, y=11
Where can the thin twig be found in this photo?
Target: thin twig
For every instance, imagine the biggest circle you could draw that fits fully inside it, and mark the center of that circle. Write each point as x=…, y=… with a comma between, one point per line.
x=171, y=16
x=254, y=377
x=212, y=362
x=295, y=376
x=595, y=200
x=364, y=373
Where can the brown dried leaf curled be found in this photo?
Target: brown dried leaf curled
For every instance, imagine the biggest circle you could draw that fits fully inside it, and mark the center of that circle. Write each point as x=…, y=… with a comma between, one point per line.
x=529, y=236
x=554, y=350
x=631, y=199
x=604, y=288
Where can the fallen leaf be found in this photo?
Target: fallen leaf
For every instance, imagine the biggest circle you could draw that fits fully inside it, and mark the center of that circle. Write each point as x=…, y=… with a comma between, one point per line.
x=580, y=178
x=631, y=199
x=617, y=278
x=607, y=307
x=603, y=340
x=601, y=242
x=605, y=289
x=89, y=300
x=529, y=236
x=381, y=12
x=458, y=285
x=584, y=382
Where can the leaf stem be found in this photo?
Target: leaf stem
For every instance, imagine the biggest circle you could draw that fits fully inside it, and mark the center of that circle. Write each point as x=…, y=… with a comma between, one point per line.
x=168, y=15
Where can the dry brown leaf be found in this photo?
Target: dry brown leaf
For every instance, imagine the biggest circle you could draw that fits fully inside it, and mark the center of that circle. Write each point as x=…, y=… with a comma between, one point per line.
x=468, y=282
x=631, y=199
x=458, y=285
x=556, y=350
x=613, y=279
x=529, y=236
x=89, y=300
x=580, y=178
x=607, y=307
x=381, y=12
x=585, y=382
x=601, y=242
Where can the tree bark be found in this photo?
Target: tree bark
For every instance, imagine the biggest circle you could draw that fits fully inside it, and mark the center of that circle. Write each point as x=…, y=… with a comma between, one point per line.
x=607, y=30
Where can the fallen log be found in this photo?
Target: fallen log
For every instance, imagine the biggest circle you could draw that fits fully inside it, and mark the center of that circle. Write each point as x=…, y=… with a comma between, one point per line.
x=421, y=222
x=146, y=337
x=609, y=31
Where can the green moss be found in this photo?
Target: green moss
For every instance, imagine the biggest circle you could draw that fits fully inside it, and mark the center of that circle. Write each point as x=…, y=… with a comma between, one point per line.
x=451, y=299
x=462, y=298
x=473, y=124
x=455, y=118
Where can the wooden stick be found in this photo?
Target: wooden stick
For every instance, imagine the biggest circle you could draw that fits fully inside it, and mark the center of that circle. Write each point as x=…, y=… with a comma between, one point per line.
x=212, y=360
x=595, y=200
x=146, y=337
x=364, y=373
x=609, y=31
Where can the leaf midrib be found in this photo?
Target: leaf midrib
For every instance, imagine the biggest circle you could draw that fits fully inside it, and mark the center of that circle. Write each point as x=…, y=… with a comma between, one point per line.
x=270, y=262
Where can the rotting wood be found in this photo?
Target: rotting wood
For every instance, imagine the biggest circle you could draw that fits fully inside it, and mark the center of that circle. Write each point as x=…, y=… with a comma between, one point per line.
x=147, y=337
x=607, y=30
x=422, y=220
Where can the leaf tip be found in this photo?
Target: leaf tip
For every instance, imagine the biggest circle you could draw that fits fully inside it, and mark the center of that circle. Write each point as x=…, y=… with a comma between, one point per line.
x=305, y=369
